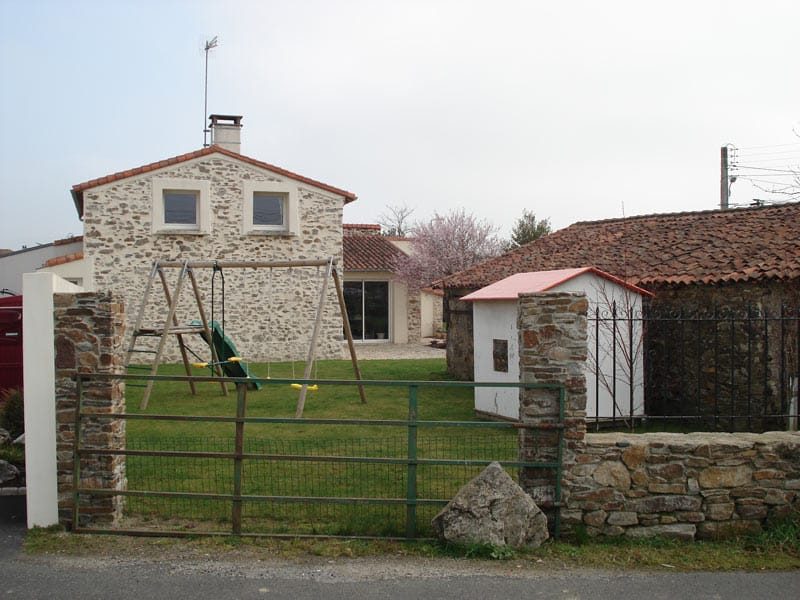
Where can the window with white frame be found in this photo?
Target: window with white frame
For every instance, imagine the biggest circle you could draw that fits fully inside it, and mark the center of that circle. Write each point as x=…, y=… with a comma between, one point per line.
x=269, y=208
x=181, y=206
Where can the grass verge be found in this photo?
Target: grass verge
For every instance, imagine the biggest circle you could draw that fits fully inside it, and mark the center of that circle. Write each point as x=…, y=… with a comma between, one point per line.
x=770, y=551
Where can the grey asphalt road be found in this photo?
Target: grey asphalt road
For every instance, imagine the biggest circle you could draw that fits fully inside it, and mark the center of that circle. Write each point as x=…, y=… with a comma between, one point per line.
x=57, y=577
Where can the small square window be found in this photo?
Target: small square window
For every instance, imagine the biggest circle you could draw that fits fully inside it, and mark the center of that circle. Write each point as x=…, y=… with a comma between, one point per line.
x=500, y=355
x=269, y=209
x=180, y=207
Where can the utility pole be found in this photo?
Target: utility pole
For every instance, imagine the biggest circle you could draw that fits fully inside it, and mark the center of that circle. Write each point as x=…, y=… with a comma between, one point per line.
x=212, y=43
x=724, y=189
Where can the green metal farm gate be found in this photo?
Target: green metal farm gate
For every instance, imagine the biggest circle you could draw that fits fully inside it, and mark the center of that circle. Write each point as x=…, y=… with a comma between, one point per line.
x=290, y=477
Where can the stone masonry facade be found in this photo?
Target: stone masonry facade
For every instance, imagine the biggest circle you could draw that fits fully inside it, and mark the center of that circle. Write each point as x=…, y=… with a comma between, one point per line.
x=89, y=329
x=688, y=486
x=269, y=315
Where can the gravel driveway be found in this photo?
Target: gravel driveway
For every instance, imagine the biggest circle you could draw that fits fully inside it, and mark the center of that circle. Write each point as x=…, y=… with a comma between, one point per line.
x=385, y=351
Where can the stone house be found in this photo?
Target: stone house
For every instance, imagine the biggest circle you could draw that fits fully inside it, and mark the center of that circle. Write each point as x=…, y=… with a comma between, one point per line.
x=218, y=204
x=746, y=261
x=380, y=307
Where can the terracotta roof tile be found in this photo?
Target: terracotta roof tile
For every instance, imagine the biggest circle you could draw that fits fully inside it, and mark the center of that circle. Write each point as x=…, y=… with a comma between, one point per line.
x=361, y=228
x=679, y=248
x=369, y=253
x=61, y=260
x=78, y=189
x=69, y=240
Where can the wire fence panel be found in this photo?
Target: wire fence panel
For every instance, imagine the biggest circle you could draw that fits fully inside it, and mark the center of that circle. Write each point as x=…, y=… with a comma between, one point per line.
x=384, y=478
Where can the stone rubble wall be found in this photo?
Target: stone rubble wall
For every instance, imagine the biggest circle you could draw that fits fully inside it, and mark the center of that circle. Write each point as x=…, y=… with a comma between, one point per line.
x=268, y=316
x=89, y=329
x=698, y=485
x=414, y=318
x=552, y=342
x=460, y=345
x=689, y=486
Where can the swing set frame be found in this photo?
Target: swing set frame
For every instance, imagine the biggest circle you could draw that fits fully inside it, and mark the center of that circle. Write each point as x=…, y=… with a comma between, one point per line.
x=171, y=326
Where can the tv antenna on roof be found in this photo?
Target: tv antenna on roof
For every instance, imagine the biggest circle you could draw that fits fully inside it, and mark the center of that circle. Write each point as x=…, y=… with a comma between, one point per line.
x=212, y=43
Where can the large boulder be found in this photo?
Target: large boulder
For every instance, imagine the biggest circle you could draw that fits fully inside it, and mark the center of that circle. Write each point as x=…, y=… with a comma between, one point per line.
x=492, y=509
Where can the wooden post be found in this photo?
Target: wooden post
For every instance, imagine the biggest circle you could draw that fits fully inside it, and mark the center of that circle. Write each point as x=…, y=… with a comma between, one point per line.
x=348, y=333
x=301, y=400
x=173, y=305
x=181, y=345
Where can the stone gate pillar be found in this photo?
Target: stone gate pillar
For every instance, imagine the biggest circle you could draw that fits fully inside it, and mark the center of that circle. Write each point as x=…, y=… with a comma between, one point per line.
x=88, y=329
x=552, y=342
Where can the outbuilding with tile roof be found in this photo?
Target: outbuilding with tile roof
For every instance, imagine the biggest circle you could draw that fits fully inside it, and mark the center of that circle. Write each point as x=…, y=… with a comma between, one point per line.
x=744, y=260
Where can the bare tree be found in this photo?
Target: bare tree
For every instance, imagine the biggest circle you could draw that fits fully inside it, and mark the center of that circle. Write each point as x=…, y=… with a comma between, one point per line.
x=616, y=352
x=395, y=220
x=445, y=245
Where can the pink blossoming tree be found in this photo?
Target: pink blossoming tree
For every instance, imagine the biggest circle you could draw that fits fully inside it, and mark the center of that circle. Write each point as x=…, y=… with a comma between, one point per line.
x=445, y=245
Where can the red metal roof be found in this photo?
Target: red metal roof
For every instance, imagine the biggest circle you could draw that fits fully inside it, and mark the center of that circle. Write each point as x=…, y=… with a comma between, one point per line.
x=714, y=246
x=78, y=189
x=540, y=281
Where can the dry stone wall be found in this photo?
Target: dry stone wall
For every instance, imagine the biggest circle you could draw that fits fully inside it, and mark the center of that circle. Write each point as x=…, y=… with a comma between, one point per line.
x=89, y=329
x=460, y=345
x=689, y=486
x=269, y=316
x=699, y=485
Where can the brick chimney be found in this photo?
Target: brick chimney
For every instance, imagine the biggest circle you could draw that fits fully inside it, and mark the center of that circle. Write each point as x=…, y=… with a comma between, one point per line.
x=226, y=131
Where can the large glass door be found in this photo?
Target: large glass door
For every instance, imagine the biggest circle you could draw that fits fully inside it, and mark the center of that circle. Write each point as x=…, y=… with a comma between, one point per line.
x=368, y=309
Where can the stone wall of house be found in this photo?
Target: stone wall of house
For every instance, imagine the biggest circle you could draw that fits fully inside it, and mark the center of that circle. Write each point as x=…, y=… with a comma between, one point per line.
x=720, y=350
x=438, y=312
x=414, y=317
x=89, y=329
x=268, y=315
x=460, y=345
x=699, y=485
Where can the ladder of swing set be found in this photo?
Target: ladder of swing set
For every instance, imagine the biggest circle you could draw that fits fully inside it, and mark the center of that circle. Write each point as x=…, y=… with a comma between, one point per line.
x=170, y=326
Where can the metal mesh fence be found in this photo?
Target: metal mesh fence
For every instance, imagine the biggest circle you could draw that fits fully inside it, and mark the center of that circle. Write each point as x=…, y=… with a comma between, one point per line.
x=312, y=492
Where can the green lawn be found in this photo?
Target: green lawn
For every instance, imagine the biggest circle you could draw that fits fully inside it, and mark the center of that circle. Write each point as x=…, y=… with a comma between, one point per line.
x=306, y=478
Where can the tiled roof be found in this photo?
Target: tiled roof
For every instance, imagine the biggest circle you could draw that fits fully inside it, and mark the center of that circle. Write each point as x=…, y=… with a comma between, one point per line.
x=78, y=189
x=540, y=281
x=361, y=229
x=714, y=246
x=69, y=240
x=66, y=258
x=369, y=253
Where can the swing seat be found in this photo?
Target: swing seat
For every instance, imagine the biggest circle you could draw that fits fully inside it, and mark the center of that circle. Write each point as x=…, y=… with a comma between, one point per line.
x=205, y=365
x=299, y=386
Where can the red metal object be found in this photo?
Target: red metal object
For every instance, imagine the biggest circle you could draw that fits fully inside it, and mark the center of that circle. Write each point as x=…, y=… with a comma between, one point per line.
x=10, y=342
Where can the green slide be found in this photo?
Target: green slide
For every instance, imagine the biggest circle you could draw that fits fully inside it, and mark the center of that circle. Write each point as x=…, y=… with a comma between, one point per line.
x=223, y=346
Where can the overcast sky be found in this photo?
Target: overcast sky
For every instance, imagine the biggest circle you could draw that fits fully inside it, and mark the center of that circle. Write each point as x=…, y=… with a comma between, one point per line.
x=573, y=110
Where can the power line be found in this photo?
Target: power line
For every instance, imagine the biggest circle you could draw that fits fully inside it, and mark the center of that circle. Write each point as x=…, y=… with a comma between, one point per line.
x=770, y=146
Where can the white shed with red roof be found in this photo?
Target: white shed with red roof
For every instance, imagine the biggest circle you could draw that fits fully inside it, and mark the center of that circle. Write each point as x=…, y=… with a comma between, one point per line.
x=614, y=343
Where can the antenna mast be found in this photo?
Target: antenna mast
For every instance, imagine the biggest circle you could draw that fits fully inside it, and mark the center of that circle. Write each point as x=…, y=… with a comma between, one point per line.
x=212, y=43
